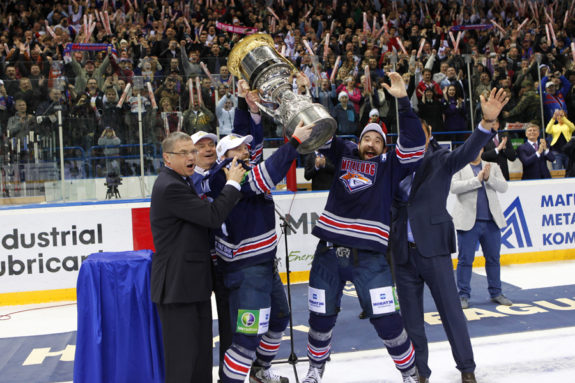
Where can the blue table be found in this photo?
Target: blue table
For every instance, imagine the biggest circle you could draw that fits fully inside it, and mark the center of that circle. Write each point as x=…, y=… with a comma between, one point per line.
x=119, y=334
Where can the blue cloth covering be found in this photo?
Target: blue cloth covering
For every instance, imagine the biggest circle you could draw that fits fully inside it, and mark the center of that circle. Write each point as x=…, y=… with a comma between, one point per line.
x=119, y=335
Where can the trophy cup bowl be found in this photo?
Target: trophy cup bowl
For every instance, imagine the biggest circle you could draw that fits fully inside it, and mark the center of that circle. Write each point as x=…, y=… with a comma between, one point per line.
x=255, y=59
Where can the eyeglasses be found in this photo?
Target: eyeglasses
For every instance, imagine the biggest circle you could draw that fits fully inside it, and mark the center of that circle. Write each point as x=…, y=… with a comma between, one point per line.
x=184, y=153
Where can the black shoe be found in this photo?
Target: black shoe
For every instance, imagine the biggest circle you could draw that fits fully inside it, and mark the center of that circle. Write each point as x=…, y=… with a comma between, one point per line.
x=362, y=315
x=468, y=377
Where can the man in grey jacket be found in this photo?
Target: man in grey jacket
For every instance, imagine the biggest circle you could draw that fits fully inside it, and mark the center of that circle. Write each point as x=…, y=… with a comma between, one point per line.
x=477, y=217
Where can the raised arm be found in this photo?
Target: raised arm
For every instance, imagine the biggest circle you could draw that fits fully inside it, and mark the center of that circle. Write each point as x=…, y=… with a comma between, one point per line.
x=411, y=144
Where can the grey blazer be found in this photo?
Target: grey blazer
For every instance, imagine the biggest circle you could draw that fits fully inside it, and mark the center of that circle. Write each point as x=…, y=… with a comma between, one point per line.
x=465, y=185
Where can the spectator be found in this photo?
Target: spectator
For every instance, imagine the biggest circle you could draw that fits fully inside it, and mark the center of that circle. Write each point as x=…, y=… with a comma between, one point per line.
x=552, y=100
x=569, y=150
x=534, y=155
x=320, y=170
x=454, y=112
x=325, y=94
x=353, y=93
x=168, y=89
x=528, y=106
x=111, y=142
x=431, y=110
x=561, y=130
x=138, y=97
x=478, y=218
x=452, y=78
x=427, y=82
x=111, y=114
x=198, y=117
x=26, y=92
x=21, y=124
x=499, y=150
x=225, y=111
x=345, y=115
x=84, y=121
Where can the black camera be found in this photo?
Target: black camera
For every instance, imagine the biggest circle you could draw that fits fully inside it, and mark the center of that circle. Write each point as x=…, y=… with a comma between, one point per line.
x=113, y=180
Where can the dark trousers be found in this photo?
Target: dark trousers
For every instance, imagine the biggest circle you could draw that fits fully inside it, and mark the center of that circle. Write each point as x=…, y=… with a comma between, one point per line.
x=187, y=335
x=437, y=272
x=224, y=322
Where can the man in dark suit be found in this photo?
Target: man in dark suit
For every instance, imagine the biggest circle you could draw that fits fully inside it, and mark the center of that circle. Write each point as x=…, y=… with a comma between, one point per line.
x=423, y=238
x=534, y=155
x=181, y=283
x=500, y=149
x=319, y=170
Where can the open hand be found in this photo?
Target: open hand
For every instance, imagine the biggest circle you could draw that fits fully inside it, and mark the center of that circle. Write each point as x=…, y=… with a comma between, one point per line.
x=492, y=106
x=397, y=88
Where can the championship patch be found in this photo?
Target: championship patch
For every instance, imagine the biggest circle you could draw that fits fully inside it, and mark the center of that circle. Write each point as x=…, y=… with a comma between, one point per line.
x=253, y=322
x=357, y=175
x=383, y=300
x=316, y=300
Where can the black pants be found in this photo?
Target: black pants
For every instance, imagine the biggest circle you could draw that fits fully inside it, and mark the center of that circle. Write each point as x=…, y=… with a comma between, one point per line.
x=187, y=336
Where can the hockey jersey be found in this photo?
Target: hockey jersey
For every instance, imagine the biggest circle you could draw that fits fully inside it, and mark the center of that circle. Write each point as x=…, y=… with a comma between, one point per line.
x=248, y=236
x=244, y=124
x=357, y=212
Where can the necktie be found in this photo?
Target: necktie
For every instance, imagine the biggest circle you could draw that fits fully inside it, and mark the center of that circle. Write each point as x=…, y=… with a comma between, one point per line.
x=496, y=140
x=536, y=146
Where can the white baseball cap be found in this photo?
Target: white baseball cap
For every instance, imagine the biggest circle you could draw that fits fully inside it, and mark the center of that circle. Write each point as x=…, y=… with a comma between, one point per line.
x=231, y=141
x=341, y=95
x=373, y=112
x=372, y=127
x=196, y=137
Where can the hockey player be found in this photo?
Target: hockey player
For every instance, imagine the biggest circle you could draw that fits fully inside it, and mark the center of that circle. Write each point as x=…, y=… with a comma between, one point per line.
x=246, y=248
x=353, y=232
x=247, y=121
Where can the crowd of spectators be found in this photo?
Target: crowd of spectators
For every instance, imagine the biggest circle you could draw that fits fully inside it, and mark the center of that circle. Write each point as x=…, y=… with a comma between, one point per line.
x=101, y=62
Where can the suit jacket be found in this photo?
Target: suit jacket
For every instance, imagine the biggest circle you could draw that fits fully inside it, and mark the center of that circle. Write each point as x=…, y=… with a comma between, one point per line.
x=321, y=179
x=180, y=223
x=569, y=150
x=431, y=224
x=490, y=155
x=466, y=185
x=534, y=167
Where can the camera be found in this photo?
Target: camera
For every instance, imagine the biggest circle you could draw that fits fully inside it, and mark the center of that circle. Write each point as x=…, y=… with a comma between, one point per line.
x=113, y=180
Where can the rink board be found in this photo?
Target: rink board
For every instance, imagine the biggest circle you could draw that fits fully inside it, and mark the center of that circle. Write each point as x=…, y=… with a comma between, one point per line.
x=43, y=246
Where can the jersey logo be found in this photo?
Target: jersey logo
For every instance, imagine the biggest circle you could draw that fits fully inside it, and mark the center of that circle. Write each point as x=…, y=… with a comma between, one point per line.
x=357, y=175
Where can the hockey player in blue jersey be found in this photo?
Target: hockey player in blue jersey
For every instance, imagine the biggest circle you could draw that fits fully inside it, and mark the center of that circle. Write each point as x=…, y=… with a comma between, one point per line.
x=246, y=249
x=246, y=121
x=353, y=231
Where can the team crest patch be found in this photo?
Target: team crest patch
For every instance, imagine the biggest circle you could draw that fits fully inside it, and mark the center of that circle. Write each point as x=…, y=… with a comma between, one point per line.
x=357, y=175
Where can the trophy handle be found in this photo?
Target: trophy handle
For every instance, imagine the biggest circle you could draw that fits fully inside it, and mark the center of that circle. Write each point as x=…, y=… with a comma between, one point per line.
x=267, y=110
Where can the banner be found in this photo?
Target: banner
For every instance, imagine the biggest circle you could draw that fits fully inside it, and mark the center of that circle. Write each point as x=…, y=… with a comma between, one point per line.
x=235, y=29
x=42, y=248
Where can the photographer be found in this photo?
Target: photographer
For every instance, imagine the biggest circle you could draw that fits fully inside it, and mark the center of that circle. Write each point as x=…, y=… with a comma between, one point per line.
x=83, y=117
x=110, y=141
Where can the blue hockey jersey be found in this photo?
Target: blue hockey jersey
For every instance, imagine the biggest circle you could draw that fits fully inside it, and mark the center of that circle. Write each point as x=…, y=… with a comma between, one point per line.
x=248, y=235
x=357, y=212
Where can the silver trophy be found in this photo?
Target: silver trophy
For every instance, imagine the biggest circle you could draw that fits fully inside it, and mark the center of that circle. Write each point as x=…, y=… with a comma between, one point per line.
x=255, y=59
